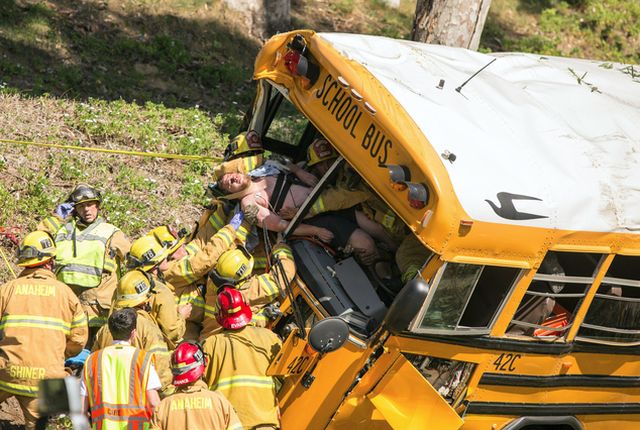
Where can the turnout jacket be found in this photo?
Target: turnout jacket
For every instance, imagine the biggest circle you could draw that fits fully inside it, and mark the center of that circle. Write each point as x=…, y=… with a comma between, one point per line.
x=238, y=362
x=149, y=338
x=195, y=407
x=43, y=324
x=187, y=276
x=257, y=290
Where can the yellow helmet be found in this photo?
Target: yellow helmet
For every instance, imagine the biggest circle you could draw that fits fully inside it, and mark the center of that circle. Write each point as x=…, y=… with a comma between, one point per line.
x=146, y=253
x=36, y=248
x=320, y=150
x=234, y=265
x=168, y=238
x=133, y=289
x=243, y=145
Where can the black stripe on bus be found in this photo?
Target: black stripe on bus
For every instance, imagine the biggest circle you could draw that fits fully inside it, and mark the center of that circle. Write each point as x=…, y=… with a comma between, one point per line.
x=532, y=346
x=552, y=409
x=602, y=381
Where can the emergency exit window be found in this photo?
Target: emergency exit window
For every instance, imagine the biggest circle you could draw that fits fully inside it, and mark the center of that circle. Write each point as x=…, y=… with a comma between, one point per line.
x=465, y=298
x=556, y=291
x=614, y=314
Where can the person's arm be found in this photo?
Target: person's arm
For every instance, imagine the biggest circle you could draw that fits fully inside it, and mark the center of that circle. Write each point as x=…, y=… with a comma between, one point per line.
x=264, y=289
x=153, y=399
x=79, y=333
x=193, y=267
x=165, y=311
x=120, y=244
x=307, y=178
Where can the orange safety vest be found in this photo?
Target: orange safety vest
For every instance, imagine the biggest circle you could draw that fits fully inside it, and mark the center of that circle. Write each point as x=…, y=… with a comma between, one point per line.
x=116, y=379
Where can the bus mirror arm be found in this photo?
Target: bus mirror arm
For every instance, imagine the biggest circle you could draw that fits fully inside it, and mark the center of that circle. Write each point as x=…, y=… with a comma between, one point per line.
x=406, y=306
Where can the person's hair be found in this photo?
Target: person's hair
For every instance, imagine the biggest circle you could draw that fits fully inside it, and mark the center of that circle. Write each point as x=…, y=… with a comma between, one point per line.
x=122, y=322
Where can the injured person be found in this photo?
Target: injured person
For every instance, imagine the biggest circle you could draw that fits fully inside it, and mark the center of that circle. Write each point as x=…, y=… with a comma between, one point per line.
x=339, y=228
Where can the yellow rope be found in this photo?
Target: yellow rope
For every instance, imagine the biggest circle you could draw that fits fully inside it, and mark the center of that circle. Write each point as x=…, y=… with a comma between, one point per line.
x=115, y=151
x=4, y=257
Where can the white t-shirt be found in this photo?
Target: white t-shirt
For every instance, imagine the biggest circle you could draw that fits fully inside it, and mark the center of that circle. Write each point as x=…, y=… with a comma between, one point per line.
x=153, y=382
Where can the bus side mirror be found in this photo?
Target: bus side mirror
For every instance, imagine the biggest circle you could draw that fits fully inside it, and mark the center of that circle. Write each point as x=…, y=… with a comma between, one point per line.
x=328, y=334
x=406, y=305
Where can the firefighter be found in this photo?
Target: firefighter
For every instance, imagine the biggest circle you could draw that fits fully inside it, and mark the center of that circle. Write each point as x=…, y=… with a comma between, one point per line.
x=120, y=385
x=90, y=251
x=42, y=322
x=259, y=291
x=411, y=257
x=245, y=151
x=188, y=265
x=149, y=256
x=238, y=360
x=193, y=405
x=134, y=291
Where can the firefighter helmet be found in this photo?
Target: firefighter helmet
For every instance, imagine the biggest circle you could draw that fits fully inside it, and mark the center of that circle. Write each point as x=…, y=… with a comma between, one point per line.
x=233, y=311
x=168, y=238
x=36, y=248
x=234, y=265
x=146, y=253
x=133, y=289
x=187, y=363
x=84, y=193
x=320, y=150
x=243, y=145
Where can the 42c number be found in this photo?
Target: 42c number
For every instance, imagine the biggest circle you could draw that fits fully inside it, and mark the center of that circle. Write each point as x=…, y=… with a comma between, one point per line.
x=506, y=362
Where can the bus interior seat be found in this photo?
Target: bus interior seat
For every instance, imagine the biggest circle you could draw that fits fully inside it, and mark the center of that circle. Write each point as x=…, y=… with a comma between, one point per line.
x=342, y=287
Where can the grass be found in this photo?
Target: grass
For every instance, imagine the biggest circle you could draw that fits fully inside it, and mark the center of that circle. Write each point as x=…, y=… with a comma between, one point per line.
x=606, y=30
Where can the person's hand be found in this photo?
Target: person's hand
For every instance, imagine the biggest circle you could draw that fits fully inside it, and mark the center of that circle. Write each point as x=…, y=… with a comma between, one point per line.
x=64, y=209
x=78, y=360
x=236, y=220
x=324, y=235
x=287, y=213
x=185, y=310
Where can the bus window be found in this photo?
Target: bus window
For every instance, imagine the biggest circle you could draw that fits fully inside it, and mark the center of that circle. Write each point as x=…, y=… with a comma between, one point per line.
x=287, y=128
x=465, y=298
x=547, y=309
x=614, y=314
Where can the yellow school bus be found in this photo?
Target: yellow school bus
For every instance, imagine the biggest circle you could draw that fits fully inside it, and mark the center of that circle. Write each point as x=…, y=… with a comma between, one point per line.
x=519, y=175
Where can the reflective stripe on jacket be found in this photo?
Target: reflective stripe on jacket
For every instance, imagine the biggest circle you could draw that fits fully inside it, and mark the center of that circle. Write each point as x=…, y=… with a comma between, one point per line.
x=196, y=407
x=42, y=323
x=81, y=255
x=238, y=362
x=116, y=380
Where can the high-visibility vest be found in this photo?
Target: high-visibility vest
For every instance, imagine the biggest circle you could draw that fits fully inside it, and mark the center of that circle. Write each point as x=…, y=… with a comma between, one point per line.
x=116, y=380
x=80, y=254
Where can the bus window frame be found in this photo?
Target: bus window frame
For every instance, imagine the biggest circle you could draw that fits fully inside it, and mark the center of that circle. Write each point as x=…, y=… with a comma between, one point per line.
x=609, y=280
x=592, y=284
x=415, y=327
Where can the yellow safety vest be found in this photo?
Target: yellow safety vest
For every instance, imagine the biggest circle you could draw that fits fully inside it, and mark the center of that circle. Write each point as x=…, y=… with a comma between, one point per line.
x=80, y=256
x=116, y=380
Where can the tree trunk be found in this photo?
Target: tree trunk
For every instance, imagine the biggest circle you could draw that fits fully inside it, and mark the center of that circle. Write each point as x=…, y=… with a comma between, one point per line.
x=450, y=22
x=263, y=18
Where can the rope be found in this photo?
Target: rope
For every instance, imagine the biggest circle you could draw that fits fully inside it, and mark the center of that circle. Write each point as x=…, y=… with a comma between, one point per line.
x=4, y=257
x=114, y=151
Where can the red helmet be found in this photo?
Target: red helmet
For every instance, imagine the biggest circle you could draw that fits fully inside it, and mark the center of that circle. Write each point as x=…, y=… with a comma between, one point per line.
x=233, y=312
x=187, y=363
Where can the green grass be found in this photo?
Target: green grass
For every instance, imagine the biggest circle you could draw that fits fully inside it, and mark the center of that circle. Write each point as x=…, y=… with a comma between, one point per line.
x=599, y=29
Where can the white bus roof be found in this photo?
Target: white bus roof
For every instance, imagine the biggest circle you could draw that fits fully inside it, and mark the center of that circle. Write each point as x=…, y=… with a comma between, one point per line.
x=564, y=133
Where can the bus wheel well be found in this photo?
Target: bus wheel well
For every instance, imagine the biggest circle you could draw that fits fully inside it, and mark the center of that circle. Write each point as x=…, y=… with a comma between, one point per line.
x=544, y=423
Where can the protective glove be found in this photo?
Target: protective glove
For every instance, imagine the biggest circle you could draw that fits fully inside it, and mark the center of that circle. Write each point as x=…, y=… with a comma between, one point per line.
x=236, y=220
x=78, y=360
x=64, y=209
